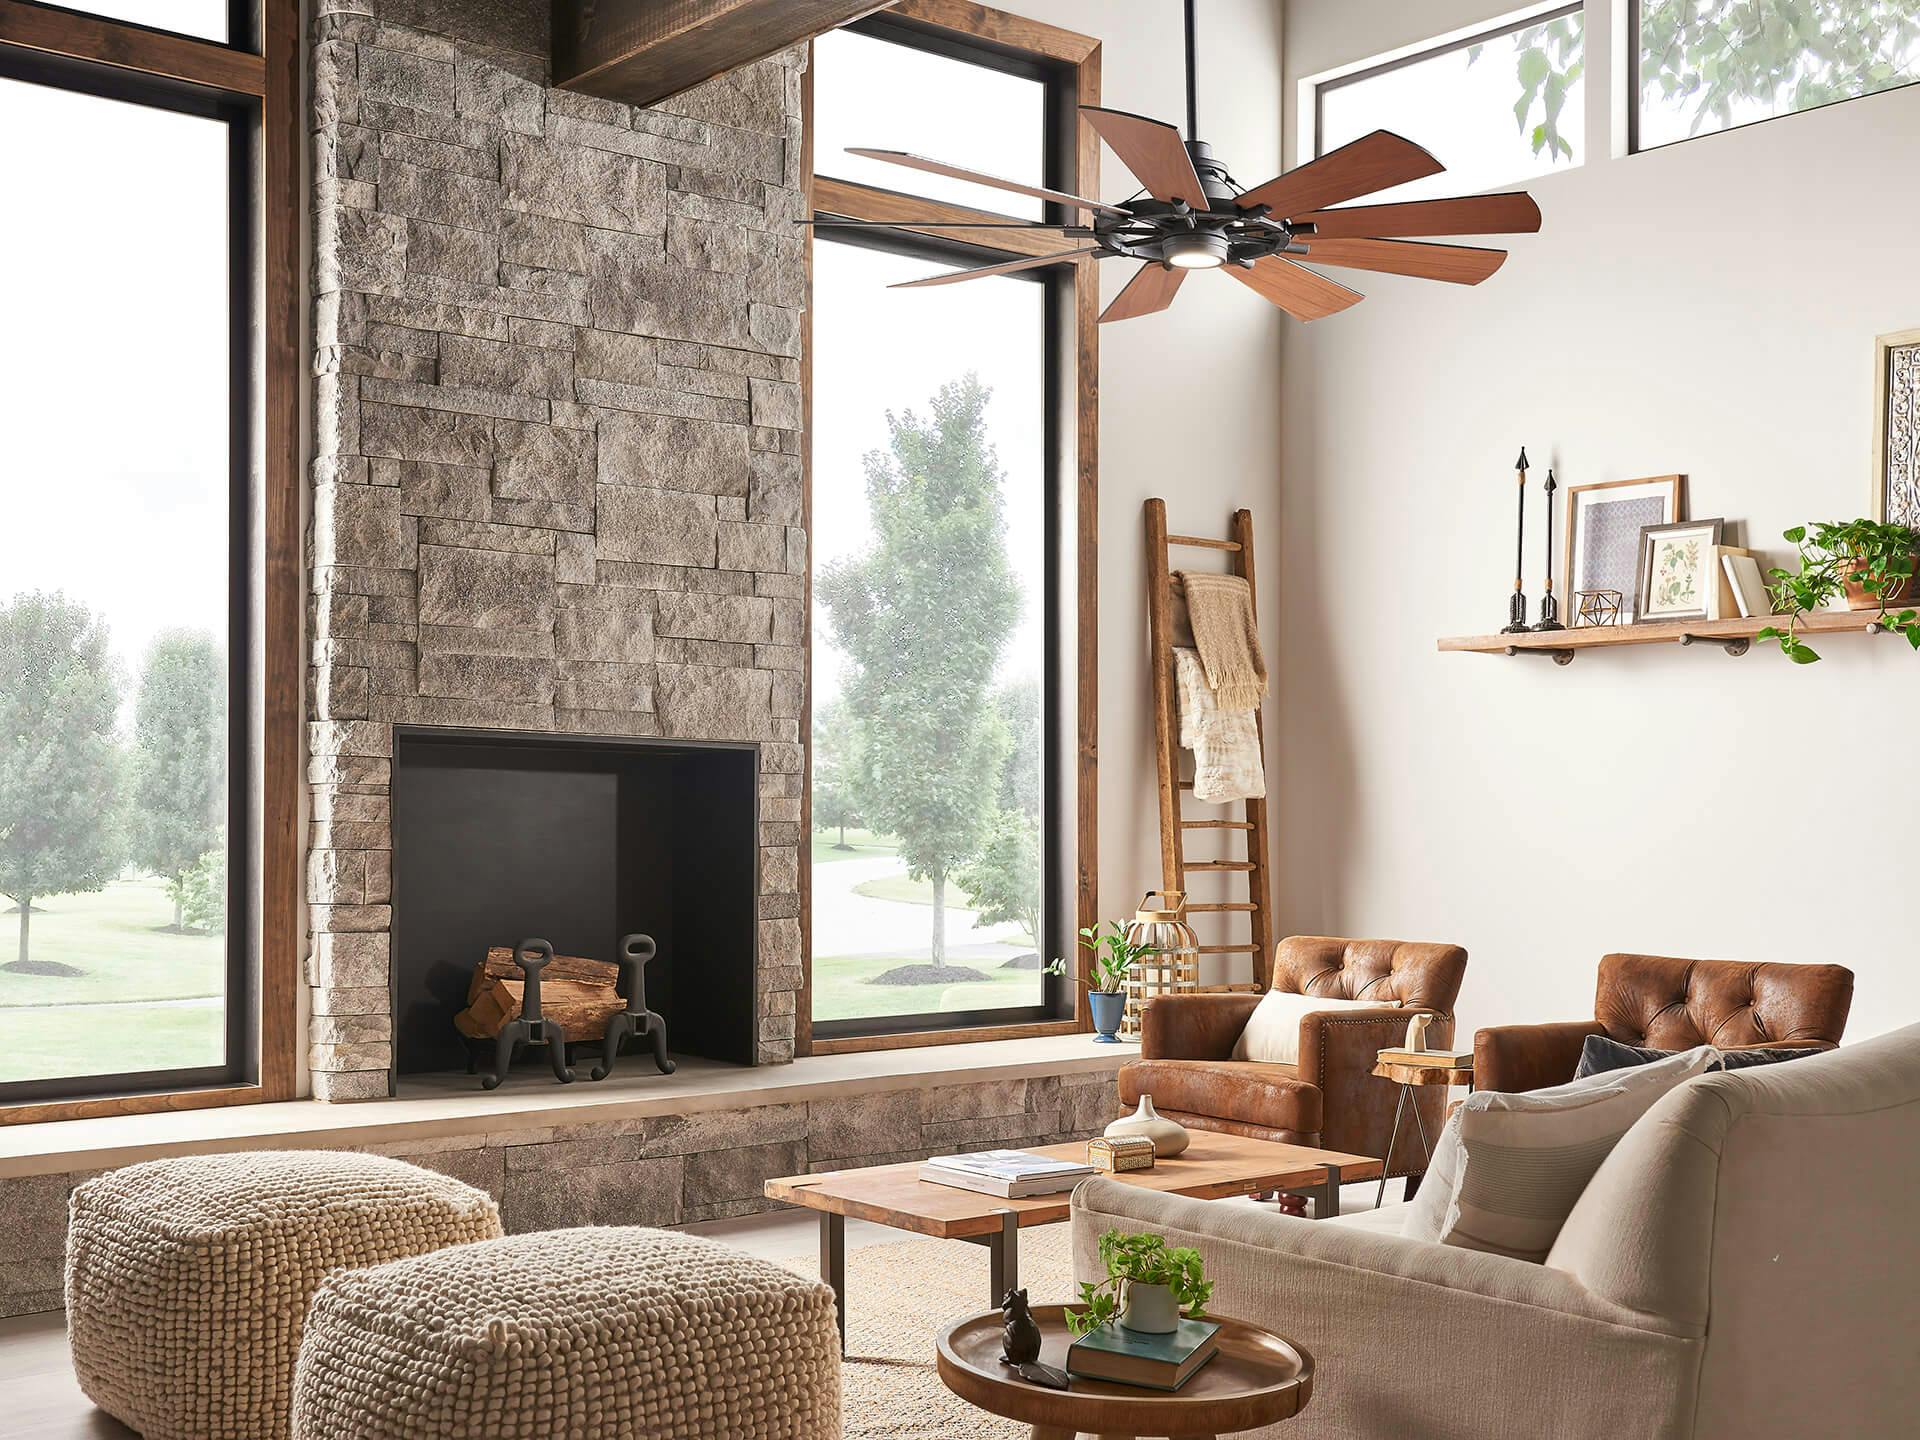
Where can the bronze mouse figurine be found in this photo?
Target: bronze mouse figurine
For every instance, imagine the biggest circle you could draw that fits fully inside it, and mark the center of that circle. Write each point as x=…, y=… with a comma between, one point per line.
x=1020, y=1340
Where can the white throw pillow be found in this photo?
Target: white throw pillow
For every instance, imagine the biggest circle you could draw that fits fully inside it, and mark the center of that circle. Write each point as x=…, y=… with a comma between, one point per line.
x=1273, y=1031
x=1509, y=1167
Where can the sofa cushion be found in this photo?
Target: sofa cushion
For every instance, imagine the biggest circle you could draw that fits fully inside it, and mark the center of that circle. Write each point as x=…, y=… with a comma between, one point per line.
x=1273, y=1030
x=1384, y=1220
x=1600, y=1054
x=1524, y=1159
x=1271, y=1096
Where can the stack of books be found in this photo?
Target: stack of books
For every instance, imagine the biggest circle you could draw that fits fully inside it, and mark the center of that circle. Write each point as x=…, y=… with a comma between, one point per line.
x=1433, y=1059
x=1133, y=1357
x=1012, y=1174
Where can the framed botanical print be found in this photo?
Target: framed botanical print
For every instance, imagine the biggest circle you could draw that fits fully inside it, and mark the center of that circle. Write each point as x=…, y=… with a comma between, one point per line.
x=1896, y=428
x=1679, y=569
x=1603, y=526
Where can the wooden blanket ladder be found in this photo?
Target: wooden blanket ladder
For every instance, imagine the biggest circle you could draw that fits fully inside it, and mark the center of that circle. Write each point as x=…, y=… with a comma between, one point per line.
x=1175, y=828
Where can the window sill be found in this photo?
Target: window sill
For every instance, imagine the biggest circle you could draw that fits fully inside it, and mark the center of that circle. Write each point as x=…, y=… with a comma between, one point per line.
x=958, y=1035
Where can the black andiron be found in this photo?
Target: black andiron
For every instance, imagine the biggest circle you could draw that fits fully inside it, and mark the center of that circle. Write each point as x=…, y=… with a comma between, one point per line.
x=532, y=1027
x=636, y=1019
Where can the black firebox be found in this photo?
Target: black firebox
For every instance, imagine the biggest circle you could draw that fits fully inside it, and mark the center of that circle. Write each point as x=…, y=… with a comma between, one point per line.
x=499, y=837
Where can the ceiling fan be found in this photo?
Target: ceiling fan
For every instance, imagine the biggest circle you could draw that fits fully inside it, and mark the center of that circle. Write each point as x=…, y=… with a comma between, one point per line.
x=1190, y=214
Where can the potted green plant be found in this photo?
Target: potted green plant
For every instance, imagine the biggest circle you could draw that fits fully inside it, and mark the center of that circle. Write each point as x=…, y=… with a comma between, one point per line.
x=1149, y=1286
x=1113, y=956
x=1870, y=562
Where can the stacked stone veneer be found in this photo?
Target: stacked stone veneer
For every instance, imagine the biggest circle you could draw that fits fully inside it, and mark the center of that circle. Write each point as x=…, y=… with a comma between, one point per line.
x=651, y=1170
x=556, y=426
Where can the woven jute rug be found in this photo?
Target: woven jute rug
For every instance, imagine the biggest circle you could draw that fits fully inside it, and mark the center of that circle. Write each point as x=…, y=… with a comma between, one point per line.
x=898, y=1298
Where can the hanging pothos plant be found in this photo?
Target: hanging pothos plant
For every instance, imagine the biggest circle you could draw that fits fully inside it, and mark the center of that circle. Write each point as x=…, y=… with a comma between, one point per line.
x=1870, y=561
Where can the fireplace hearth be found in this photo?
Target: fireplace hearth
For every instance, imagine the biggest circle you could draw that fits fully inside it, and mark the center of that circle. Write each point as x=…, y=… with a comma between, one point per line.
x=498, y=837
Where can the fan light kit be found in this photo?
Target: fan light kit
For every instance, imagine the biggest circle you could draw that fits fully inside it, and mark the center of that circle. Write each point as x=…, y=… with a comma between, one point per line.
x=1192, y=215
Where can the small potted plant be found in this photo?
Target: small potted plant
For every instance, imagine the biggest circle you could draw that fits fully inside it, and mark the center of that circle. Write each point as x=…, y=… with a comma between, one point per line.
x=1149, y=1286
x=1869, y=562
x=1113, y=956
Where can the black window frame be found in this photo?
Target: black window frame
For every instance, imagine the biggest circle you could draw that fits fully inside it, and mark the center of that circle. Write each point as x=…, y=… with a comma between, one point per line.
x=1060, y=119
x=242, y=116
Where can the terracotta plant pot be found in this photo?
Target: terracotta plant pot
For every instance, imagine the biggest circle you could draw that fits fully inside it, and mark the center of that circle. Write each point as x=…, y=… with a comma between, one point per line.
x=1858, y=597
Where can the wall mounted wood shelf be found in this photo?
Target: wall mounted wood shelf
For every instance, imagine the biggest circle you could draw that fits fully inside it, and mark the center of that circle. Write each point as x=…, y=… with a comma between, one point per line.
x=1733, y=636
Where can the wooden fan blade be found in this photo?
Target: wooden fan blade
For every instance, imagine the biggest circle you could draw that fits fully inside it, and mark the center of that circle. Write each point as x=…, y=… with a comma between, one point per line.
x=1373, y=162
x=1513, y=213
x=1153, y=151
x=1457, y=264
x=1152, y=288
x=1028, y=263
x=1295, y=289
x=979, y=177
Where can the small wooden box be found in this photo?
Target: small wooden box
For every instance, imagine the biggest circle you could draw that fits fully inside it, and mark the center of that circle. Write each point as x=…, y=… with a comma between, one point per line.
x=1121, y=1152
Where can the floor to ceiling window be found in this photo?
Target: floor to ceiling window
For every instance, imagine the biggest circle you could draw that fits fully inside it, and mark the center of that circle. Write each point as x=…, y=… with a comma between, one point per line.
x=937, y=578
x=135, y=475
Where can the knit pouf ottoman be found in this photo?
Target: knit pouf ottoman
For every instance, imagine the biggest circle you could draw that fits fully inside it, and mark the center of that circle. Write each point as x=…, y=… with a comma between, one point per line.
x=188, y=1280
x=595, y=1334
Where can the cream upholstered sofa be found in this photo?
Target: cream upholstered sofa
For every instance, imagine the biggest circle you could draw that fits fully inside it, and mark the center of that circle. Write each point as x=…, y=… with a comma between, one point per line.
x=1744, y=1264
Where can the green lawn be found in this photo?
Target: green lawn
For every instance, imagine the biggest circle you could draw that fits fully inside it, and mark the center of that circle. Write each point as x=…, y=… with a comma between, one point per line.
x=864, y=845
x=118, y=939
x=841, y=991
x=912, y=892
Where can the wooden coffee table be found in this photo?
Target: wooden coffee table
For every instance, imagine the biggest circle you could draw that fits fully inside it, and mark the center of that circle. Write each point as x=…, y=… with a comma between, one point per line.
x=1258, y=1378
x=1214, y=1166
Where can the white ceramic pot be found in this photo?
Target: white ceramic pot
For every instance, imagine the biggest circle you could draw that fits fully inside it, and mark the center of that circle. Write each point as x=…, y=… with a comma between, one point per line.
x=1150, y=1309
x=1169, y=1137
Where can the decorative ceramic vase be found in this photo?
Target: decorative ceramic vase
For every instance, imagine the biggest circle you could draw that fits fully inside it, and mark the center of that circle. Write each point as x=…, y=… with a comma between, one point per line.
x=1150, y=1309
x=1108, y=1007
x=1169, y=1136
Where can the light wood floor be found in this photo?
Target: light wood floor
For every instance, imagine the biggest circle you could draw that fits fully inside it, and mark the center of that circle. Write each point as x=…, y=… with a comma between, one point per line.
x=40, y=1400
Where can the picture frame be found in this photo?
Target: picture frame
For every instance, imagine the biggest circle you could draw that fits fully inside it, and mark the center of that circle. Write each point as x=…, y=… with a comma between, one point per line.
x=1896, y=428
x=1602, y=529
x=1679, y=570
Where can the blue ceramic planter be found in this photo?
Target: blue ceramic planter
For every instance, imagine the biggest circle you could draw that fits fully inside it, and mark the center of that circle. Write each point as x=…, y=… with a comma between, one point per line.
x=1107, y=1010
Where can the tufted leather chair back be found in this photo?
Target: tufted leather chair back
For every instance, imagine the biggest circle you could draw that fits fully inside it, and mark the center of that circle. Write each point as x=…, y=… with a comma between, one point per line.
x=1392, y=972
x=1670, y=1004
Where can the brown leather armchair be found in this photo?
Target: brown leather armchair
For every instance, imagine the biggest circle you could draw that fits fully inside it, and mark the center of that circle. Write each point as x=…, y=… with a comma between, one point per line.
x=1330, y=1098
x=1671, y=1004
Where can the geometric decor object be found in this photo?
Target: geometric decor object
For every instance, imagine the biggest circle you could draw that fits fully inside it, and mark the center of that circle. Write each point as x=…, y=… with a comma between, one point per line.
x=1596, y=607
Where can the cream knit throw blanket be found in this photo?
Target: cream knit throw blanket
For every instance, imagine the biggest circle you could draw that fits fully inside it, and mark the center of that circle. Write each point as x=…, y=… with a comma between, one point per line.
x=1225, y=743
x=1221, y=608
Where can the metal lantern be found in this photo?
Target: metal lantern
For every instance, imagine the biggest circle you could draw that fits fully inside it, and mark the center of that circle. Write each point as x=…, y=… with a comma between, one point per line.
x=1171, y=963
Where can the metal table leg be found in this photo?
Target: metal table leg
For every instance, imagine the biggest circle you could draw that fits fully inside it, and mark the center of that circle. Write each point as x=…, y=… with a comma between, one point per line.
x=833, y=1266
x=1327, y=1204
x=1393, y=1137
x=1003, y=1255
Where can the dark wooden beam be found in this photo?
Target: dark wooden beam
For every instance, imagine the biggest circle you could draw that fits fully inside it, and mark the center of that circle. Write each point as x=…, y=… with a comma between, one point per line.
x=640, y=51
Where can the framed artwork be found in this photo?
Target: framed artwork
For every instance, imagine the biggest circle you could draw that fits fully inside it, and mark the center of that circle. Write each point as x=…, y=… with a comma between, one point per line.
x=1603, y=528
x=1896, y=428
x=1679, y=568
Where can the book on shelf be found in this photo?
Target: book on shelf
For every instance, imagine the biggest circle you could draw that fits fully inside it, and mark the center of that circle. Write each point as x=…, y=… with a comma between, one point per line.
x=1434, y=1059
x=1749, y=587
x=1723, y=593
x=1011, y=1174
x=1133, y=1357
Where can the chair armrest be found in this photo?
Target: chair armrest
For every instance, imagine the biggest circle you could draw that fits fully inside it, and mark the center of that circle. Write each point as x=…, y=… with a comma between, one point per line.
x=1383, y=1316
x=1338, y=1050
x=1529, y=1057
x=1194, y=1027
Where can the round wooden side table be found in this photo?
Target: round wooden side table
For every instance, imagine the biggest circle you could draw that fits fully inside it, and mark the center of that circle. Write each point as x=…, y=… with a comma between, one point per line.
x=1407, y=1077
x=1258, y=1378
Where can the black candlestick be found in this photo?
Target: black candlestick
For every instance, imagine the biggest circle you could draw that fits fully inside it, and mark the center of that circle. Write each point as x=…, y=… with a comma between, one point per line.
x=1517, y=608
x=1549, y=607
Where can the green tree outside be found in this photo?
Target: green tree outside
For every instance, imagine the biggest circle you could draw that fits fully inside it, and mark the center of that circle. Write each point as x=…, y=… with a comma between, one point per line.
x=180, y=765
x=1004, y=879
x=60, y=763
x=923, y=614
x=836, y=771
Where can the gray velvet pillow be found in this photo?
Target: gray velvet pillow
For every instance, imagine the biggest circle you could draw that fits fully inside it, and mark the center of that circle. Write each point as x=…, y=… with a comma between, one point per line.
x=1601, y=1054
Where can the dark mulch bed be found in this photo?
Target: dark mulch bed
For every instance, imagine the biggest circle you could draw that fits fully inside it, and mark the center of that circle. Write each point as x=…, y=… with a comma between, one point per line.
x=1028, y=961
x=926, y=975
x=42, y=967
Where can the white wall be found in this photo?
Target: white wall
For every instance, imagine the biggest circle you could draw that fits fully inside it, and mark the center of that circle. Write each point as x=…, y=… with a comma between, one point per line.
x=1186, y=396
x=1709, y=308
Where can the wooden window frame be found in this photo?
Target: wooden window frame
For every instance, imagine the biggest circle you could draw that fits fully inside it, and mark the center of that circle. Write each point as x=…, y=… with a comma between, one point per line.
x=259, y=69
x=1079, y=56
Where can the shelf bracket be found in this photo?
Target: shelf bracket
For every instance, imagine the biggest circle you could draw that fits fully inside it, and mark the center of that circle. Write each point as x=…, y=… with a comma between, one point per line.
x=1559, y=657
x=1732, y=644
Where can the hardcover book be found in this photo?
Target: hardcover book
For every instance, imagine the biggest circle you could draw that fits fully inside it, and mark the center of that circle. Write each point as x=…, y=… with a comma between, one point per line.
x=1133, y=1357
x=1012, y=1174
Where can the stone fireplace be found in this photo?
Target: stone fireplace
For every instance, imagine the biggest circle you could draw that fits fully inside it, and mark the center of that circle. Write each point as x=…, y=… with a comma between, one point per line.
x=557, y=485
